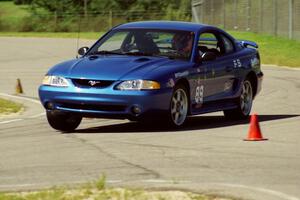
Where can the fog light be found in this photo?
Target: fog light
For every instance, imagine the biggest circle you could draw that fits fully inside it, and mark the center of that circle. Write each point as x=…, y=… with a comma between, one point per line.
x=136, y=110
x=50, y=106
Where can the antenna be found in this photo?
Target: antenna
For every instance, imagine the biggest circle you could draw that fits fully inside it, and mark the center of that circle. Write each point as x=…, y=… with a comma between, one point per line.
x=78, y=35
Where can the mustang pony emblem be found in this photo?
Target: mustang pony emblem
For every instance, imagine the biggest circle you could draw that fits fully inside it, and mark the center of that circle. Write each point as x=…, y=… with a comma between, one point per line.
x=92, y=83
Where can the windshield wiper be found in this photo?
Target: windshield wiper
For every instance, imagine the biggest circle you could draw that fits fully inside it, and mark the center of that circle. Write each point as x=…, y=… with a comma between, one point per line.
x=105, y=53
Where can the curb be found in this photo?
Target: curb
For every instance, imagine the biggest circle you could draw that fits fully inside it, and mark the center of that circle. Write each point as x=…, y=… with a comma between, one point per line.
x=30, y=109
x=282, y=67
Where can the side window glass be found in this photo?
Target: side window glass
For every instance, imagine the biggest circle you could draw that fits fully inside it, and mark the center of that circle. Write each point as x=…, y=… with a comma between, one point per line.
x=208, y=43
x=228, y=46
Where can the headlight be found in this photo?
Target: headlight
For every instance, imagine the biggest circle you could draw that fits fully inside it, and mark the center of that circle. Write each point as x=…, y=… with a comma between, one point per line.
x=57, y=81
x=138, y=85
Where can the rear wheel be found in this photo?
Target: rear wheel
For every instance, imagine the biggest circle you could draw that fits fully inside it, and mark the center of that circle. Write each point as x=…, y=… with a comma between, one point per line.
x=244, y=103
x=65, y=122
x=178, y=106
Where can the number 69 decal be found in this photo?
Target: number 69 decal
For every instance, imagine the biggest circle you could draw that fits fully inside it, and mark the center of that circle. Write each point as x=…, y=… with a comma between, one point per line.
x=237, y=63
x=199, y=94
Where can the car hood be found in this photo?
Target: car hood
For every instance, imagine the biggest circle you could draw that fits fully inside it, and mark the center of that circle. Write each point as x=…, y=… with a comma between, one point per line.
x=112, y=67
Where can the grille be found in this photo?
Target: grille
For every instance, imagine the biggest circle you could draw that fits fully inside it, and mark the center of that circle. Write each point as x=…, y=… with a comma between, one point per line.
x=91, y=83
x=96, y=107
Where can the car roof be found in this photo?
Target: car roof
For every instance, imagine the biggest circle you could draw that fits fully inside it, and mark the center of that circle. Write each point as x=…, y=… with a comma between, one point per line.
x=165, y=25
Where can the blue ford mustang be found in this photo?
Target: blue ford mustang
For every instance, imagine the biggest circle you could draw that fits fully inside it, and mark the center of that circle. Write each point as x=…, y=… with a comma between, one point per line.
x=145, y=70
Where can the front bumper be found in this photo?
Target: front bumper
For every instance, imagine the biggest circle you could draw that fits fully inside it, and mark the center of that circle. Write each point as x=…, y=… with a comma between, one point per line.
x=105, y=102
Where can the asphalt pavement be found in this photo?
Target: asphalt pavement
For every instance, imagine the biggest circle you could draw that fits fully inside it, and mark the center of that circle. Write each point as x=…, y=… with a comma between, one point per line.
x=209, y=155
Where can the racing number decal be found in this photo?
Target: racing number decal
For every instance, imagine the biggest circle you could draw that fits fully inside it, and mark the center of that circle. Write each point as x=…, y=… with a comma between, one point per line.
x=199, y=94
x=237, y=63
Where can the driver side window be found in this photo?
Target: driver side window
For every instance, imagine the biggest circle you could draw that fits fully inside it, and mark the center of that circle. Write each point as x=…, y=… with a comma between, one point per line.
x=208, y=43
x=216, y=42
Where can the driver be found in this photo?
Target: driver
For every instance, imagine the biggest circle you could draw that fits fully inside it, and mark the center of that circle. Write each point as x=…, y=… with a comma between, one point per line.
x=183, y=43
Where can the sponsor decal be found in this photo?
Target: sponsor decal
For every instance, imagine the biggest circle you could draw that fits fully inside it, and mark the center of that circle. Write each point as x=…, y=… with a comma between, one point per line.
x=181, y=74
x=199, y=94
x=237, y=63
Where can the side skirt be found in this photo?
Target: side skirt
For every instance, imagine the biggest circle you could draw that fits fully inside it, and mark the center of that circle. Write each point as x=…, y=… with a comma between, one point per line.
x=214, y=106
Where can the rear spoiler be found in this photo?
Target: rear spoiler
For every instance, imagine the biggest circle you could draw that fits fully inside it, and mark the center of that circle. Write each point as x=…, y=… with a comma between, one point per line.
x=246, y=43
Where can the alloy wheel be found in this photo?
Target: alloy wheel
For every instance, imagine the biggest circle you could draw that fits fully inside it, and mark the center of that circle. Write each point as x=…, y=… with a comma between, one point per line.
x=179, y=106
x=246, y=98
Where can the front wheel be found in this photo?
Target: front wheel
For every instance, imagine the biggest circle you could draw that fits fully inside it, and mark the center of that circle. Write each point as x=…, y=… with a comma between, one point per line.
x=244, y=103
x=178, y=106
x=64, y=122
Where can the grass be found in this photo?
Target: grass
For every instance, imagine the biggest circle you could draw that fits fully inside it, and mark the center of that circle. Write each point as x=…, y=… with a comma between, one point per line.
x=101, y=182
x=98, y=190
x=10, y=10
x=82, y=35
x=106, y=194
x=12, y=15
x=7, y=107
x=273, y=50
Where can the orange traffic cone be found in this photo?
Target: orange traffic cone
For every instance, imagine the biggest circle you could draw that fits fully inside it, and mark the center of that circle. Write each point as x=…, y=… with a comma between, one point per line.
x=19, y=89
x=254, y=133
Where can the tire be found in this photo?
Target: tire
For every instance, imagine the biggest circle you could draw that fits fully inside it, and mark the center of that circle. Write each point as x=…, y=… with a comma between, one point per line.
x=64, y=122
x=244, y=103
x=179, y=105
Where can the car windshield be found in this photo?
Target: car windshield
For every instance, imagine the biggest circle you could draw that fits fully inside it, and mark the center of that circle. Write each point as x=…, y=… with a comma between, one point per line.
x=141, y=42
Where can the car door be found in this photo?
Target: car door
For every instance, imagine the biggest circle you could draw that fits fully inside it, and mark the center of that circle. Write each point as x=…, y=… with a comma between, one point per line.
x=227, y=65
x=202, y=74
x=217, y=71
x=199, y=75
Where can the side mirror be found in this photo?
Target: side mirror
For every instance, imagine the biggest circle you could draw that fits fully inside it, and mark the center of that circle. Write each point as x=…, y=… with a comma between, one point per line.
x=208, y=56
x=82, y=50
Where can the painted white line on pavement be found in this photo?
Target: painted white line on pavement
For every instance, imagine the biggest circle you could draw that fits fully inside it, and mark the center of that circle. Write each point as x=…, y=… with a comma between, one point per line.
x=46, y=184
x=17, y=185
x=263, y=190
x=164, y=181
x=18, y=97
x=282, y=67
x=114, y=181
x=156, y=181
x=292, y=68
x=9, y=121
x=37, y=115
x=22, y=98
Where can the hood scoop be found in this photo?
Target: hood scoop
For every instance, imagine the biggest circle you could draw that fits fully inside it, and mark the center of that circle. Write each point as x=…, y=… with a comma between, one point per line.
x=93, y=57
x=106, y=68
x=143, y=59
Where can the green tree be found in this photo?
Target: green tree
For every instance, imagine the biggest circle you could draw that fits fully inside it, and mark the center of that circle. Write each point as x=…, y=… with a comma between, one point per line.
x=66, y=15
x=19, y=2
x=125, y=4
x=100, y=6
x=61, y=6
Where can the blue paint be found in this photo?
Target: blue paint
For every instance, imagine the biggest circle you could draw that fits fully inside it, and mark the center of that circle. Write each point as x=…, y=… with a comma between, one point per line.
x=220, y=79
